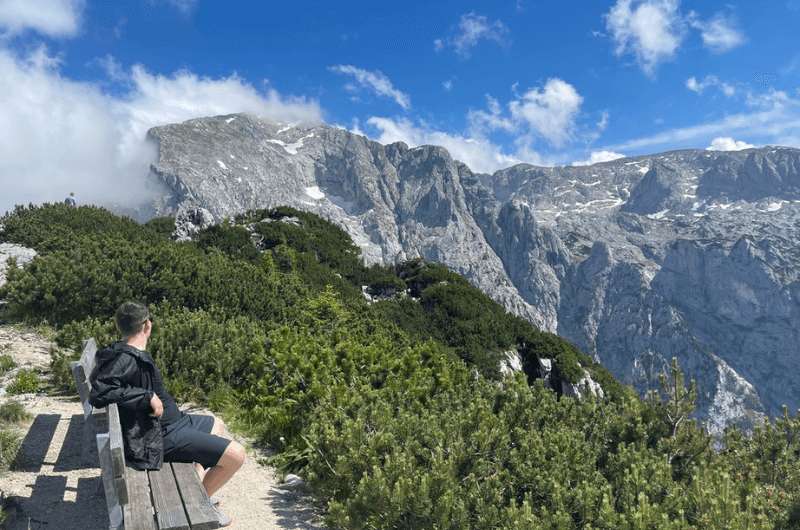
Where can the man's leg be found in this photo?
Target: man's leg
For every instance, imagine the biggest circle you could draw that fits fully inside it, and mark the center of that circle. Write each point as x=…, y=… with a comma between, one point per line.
x=228, y=464
x=205, y=441
x=218, y=429
x=200, y=470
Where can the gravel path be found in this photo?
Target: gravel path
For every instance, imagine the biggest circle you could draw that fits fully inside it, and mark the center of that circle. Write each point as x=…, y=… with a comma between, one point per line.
x=49, y=487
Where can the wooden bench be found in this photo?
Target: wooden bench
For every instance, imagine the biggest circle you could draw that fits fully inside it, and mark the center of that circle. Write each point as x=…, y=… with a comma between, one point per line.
x=170, y=498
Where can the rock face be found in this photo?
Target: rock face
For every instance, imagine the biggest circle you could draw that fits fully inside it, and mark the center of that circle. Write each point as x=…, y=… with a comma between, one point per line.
x=190, y=220
x=689, y=254
x=23, y=255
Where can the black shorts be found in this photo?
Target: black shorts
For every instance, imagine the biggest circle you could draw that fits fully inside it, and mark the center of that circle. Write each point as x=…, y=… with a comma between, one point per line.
x=190, y=440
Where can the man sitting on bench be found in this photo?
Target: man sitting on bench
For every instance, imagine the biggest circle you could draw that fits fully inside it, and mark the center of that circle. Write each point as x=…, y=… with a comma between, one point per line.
x=153, y=429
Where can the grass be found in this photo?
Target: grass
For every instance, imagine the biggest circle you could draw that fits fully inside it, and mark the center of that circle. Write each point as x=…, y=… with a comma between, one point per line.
x=6, y=363
x=10, y=441
x=26, y=382
x=13, y=412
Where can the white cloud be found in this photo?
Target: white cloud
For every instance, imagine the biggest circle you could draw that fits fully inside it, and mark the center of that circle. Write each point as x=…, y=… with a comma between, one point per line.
x=710, y=81
x=719, y=34
x=112, y=68
x=184, y=6
x=651, y=30
x=59, y=135
x=550, y=112
x=771, y=99
x=602, y=123
x=595, y=157
x=376, y=81
x=775, y=115
x=480, y=154
x=491, y=119
x=726, y=143
x=447, y=85
x=55, y=18
x=473, y=28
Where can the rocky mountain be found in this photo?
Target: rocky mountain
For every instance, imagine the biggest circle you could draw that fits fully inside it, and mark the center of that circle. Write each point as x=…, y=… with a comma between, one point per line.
x=689, y=254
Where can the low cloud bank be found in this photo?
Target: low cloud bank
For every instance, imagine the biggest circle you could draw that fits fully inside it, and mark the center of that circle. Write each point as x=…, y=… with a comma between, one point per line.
x=59, y=135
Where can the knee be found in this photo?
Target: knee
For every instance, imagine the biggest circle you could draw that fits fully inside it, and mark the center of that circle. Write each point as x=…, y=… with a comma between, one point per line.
x=234, y=455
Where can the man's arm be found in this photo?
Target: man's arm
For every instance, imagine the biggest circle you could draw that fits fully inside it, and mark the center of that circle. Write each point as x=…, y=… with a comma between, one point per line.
x=109, y=386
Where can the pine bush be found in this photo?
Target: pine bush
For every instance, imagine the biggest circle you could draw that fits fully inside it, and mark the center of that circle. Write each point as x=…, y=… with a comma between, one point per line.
x=394, y=411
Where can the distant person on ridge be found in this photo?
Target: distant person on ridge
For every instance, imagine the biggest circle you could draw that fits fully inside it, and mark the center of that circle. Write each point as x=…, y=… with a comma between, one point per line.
x=70, y=201
x=153, y=429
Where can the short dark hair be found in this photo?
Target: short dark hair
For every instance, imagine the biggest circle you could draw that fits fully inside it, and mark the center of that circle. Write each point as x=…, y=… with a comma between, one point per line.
x=130, y=318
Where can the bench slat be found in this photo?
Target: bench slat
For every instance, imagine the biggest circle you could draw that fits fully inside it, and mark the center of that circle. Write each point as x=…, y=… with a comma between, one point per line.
x=115, y=437
x=100, y=420
x=117, y=452
x=139, y=510
x=167, y=500
x=112, y=501
x=88, y=356
x=82, y=384
x=198, y=506
x=88, y=446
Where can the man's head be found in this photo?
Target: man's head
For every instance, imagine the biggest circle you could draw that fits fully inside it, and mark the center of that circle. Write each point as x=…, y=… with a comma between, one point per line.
x=72, y=194
x=133, y=318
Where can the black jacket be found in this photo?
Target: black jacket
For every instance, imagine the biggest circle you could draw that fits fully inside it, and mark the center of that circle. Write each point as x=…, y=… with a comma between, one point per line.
x=128, y=377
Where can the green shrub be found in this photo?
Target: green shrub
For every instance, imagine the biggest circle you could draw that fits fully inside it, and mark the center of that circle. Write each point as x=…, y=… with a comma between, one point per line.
x=10, y=441
x=393, y=411
x=25, y=382
x=72, y=336
x=61, y=372
x=383, y=280
x=52, y=227
x=161, y=226
x=419, y=275
x=206, y=346
x=95, y=275
x=328, y=243
x=6, y=363
x=232, y=240
x=69, y=341
x=13, y=412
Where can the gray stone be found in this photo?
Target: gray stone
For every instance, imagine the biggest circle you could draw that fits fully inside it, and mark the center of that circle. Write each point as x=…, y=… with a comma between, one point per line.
x=584, y=387
x=189, y=220
x=511, y=363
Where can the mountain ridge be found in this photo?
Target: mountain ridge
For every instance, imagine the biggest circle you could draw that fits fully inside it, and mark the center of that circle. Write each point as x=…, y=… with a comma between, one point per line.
x=682, y=254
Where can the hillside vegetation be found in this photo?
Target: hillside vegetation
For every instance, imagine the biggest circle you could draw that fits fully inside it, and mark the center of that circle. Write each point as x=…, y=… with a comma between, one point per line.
x=394, y=411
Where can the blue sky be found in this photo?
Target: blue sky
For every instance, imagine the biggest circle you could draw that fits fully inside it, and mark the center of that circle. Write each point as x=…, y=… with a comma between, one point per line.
x=496, y=82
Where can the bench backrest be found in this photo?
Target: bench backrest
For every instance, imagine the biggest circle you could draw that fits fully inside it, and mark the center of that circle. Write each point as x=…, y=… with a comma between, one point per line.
x=81, y=370
x=106, y=425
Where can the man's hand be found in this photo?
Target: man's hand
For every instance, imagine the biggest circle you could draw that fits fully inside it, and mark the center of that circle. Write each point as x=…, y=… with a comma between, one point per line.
x=158, y=407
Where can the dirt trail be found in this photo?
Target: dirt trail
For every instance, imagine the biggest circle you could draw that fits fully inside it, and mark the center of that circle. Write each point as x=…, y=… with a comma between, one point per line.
x=49, y=488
